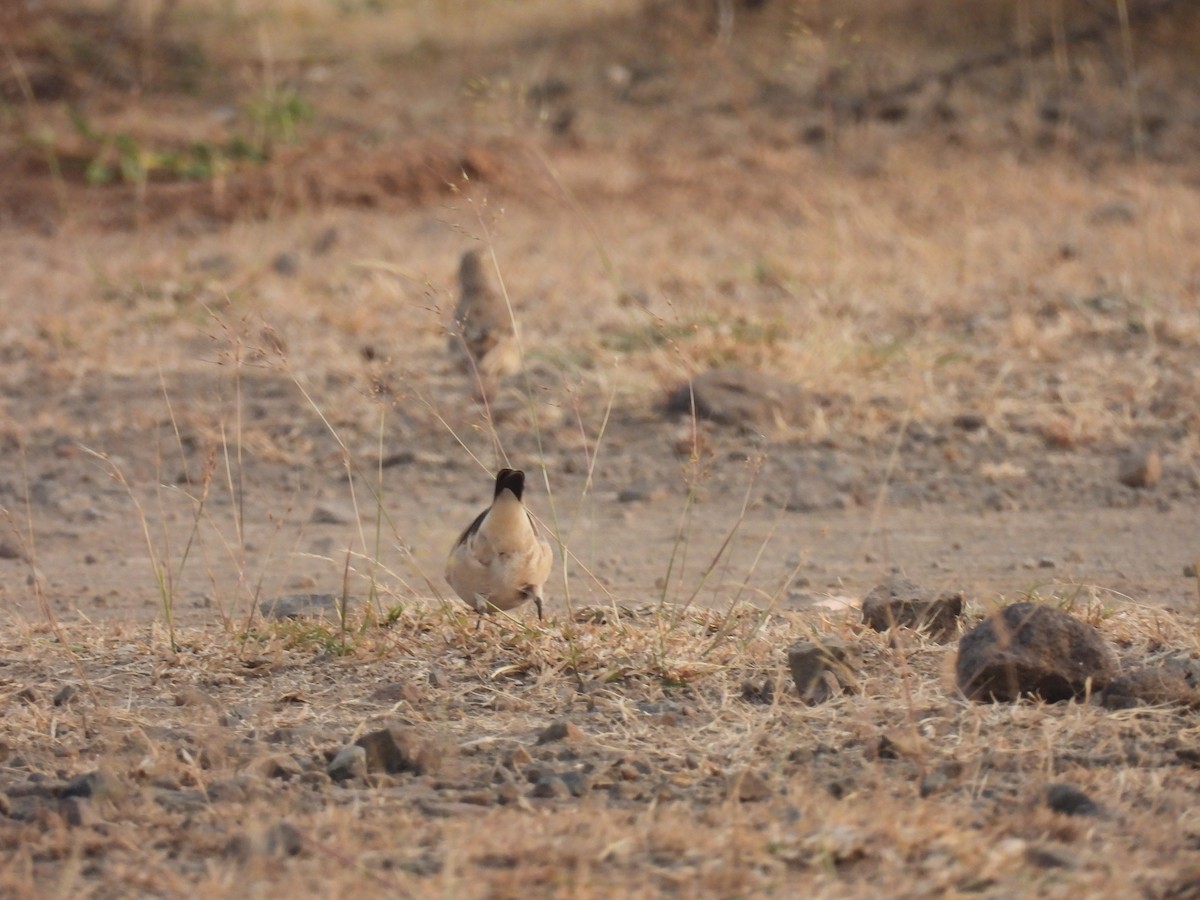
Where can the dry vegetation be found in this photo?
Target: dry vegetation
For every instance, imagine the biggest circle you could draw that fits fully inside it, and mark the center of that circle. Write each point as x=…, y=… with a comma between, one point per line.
x=229, y=232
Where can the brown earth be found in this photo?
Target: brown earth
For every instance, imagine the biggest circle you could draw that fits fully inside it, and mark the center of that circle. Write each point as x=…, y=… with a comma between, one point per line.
x=968, y=237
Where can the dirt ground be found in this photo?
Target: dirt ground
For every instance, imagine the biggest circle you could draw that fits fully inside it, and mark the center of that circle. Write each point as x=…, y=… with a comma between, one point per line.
x=229, y=237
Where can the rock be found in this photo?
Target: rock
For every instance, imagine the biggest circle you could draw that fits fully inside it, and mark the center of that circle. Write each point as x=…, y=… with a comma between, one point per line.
x=78, y=812
x=9, y=550
x=1140, y=467
x=1046, y=857
x=325, y=241
x=286, y=264
x=396, y=749
x=1070, y=800
x=577, y=783
x=276, y=765
x=560, y=731
x=823, y=668
x=64, y=693
x=328, y=513
x=98, y=785
x=296, y=606
x=350, y=762
x=284, y=839
x=901, y=602
x=1175, y=682
x=551, y=787
x=750, y=787
x=970, y=421
x=740, y=397
x=1031, y=650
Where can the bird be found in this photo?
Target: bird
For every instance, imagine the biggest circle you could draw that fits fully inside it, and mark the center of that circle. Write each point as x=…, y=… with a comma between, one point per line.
x=500, y=561
x=482, y=324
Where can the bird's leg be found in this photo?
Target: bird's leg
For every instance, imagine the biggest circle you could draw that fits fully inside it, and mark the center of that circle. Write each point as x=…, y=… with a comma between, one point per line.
x=481, y=606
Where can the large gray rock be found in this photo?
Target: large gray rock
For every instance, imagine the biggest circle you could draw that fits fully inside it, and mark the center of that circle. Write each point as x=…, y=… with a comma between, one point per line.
x=1030, y=650
x=899, y=602
x=740, y=397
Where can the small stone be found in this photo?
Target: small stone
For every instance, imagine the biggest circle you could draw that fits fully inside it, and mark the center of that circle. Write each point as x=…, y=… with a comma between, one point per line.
x=750, y=787
x=1140, y=468
x=900, y=602
x=1045, y=857
x=519, y=758
x=1029, y=650
x=296, y=606
x=325, y=241
x=1174, y=682
x=641, y=494
x=1070, y=800
x=1189, y=571
x=551, y=787
x=1046, y=563
x=286, y=264
x=577, y=783
x=284, y=839
x=190, y=696
x=65, y=693
x=396, y=749
x=9, y=550
x=78, y=812
x=822, y=668
x=277, y=765
x=350, y=762
x=328, y=513
x=970, y=421
x=560, y=731
x=97, y=784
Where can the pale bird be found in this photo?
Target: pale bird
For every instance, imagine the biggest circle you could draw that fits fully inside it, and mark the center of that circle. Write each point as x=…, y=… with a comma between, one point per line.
x=501, y=561
x=482, y=323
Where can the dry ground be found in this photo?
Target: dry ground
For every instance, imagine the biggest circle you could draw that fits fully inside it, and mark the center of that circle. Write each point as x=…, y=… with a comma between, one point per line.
x=226, y=379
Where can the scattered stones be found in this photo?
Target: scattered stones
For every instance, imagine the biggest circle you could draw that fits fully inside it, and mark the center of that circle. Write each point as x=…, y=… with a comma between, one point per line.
x=1175, y=682
x=397, y=749
x=350, y=762
x=739, y=397
x=1140, y=467
x=823, y=668
x=297, y=606
x=1029, y=650
x=1070, y=801
x=901, y=602
x=560, y=731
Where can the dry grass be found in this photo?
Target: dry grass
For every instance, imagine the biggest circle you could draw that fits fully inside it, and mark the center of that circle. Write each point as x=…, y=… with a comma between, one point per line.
x=230, y=365
x=904, y=787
